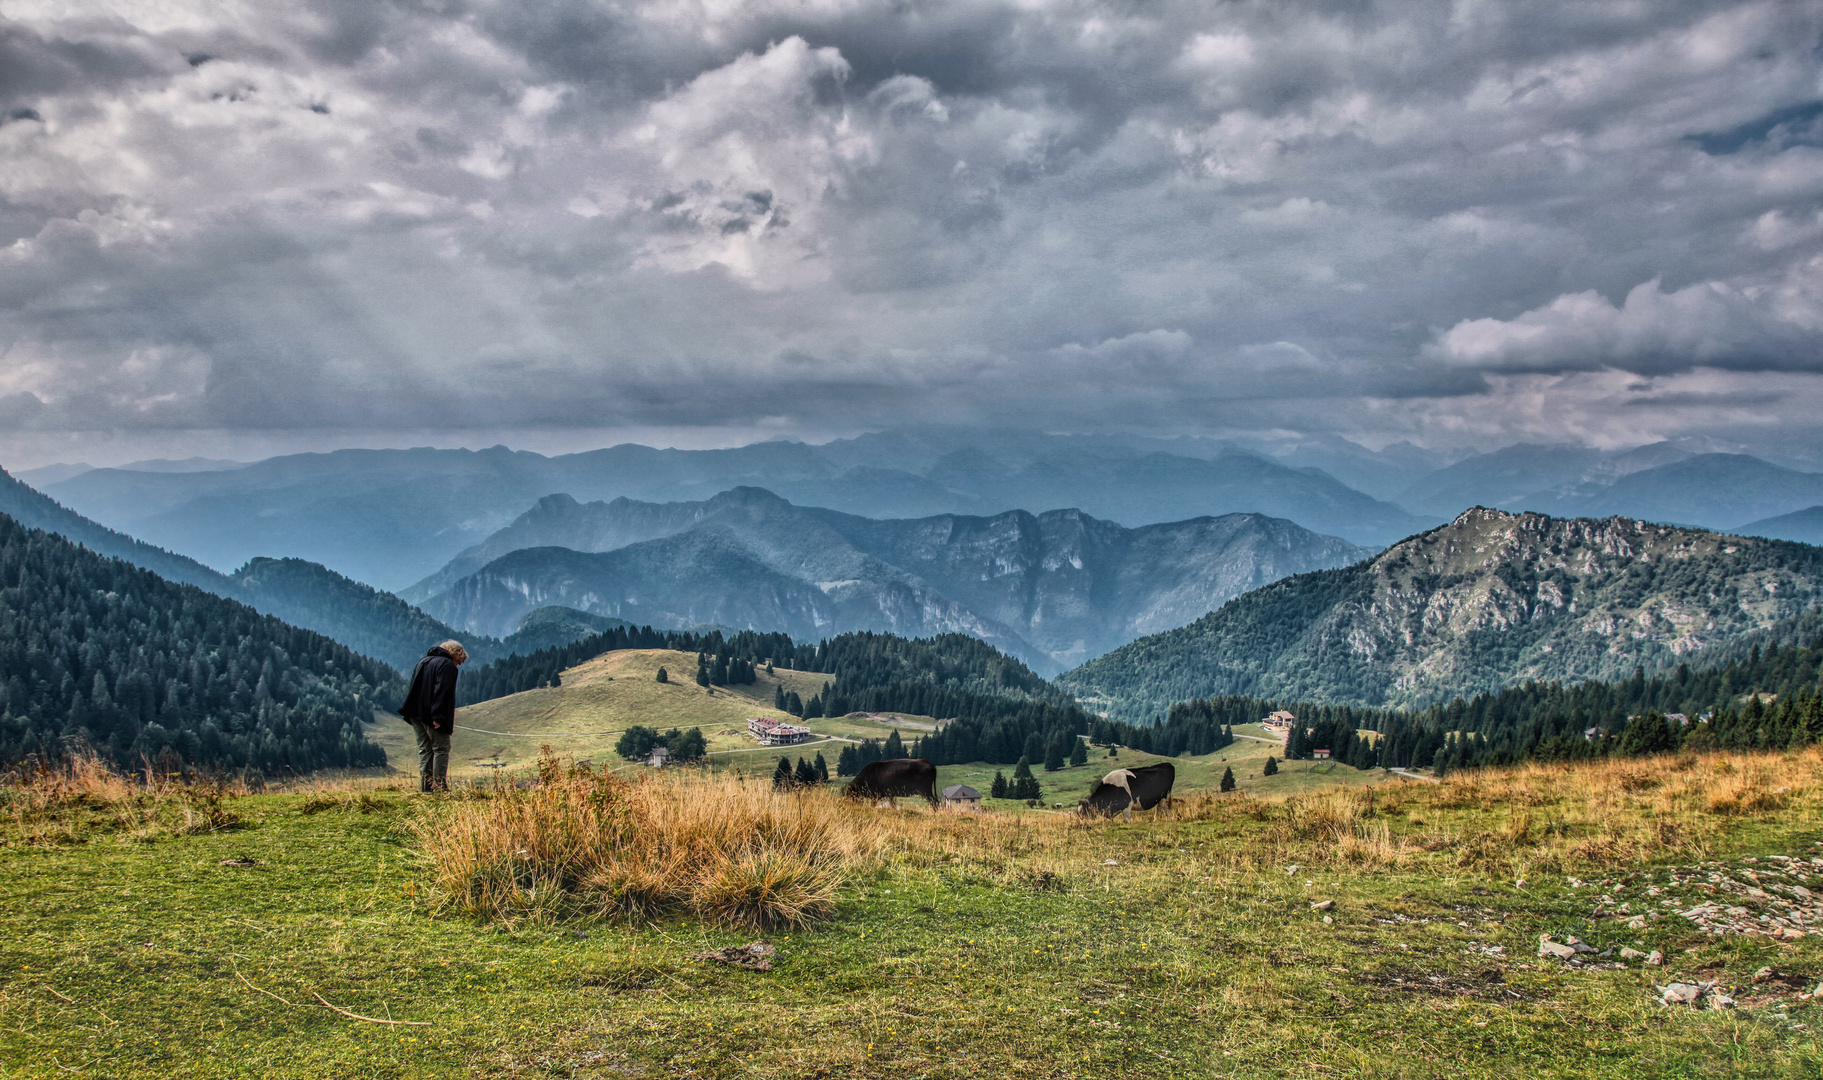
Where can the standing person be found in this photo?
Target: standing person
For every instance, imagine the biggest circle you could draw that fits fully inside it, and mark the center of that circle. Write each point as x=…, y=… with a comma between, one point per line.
x=430, y=708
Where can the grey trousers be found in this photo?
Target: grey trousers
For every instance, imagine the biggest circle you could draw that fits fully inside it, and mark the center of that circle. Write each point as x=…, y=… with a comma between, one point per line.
x=433, y=758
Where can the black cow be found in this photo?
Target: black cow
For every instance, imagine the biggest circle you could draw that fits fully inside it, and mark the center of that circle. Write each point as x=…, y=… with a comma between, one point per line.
x=893, y=779
x=1118, y=791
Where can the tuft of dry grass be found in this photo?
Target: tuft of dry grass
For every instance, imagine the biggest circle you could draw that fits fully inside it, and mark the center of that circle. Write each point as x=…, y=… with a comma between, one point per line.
x=731, y=850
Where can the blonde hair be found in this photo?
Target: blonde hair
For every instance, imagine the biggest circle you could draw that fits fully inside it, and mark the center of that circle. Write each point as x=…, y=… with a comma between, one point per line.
x=455, y=650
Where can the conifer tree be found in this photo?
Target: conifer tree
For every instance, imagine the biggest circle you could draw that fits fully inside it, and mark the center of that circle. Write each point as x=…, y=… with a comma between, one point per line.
x=894, y=748
x=1272, y=766
x=822, y=768
x=1022, y=771
x=1079, y=751
x=848, y=762
x=1054, y=754
x=805, y=775
x=702, y=670
x=784, y=777
x=793, y=704
x=998, y=788
x=663, y=675
x=778, y=697
x=1228, y=779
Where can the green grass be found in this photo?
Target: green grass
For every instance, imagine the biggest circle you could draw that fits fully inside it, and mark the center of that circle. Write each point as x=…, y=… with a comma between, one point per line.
x=1195, y=954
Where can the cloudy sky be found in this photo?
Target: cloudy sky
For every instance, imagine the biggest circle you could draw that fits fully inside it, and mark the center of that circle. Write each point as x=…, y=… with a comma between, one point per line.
x=234, y=226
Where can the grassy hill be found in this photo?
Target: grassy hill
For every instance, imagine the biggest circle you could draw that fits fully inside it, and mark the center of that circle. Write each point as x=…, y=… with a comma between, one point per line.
x=583, y=718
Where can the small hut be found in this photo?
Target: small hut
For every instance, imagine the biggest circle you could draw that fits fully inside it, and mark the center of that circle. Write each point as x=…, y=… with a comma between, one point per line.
x=961, y=796
x=660, y=756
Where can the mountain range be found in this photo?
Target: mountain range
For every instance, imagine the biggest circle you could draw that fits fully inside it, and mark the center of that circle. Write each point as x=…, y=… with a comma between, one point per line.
x=304, y=594
x=1053, y=589
x=1490, y=600
x=390, y=517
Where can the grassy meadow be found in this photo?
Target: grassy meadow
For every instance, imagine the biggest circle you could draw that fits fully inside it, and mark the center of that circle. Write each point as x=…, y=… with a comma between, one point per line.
x=583, y=718
x=505, y=931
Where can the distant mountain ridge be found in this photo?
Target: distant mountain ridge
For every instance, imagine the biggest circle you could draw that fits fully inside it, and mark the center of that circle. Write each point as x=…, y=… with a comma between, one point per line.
x=1051, y=588
x=391, y=517
x=1490, y=600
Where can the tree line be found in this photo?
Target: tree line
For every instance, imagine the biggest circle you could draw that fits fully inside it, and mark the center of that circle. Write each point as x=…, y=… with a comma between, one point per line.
x=100, y=655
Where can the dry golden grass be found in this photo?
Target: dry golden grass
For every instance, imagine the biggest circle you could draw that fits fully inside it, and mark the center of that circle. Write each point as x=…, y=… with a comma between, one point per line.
x=731, y=850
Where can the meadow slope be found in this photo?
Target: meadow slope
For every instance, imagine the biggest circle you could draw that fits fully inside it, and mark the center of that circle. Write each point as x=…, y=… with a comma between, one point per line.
x=198, y=933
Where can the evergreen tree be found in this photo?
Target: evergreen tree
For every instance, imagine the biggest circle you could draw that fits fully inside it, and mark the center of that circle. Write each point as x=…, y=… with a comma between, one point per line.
x=1055, y=755
x=1272, y=766
x=688, y=747
x=784, y=777
x=1028, y=787
x=848, y=762
x=998, y=789
x=793, y=704
x=636, y=743
x=1228, y=779
x=1650, y=734
x=663, y=675
x=1022, y=771
x=822, y=769
x=894, y=748
x=718, y=674
x=1079, y=751
x=814, y=707
x=806, y=774
x=702, y=670
x=778, y=697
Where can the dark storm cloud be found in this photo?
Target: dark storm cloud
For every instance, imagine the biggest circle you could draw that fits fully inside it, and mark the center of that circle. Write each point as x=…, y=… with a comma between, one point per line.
x=1446, y=221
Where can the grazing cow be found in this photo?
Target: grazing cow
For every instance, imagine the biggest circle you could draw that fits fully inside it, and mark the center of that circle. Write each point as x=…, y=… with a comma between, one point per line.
x=893, y=779
x=1122, y=789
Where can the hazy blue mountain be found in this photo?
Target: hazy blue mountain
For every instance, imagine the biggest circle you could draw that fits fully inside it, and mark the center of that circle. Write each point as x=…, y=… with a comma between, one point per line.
x=371, y=622
x=1490, y=600
x=1711, y=490
x=302, y=593
x=1385, y=474
x=1805, y=526
x=35, y=510
x=692, y=578
x=544, y=627
x=391, y=517
x=51, y=474
x=1053, y=588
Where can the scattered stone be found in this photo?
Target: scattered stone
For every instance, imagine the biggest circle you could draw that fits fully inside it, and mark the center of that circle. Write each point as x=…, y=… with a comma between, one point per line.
x=1323, y=905
x=1681, y=993
x=1110, y=862
x=1328, y=921
x=754, y=957
x=1655, y=959
x=1555, y=950
x=1719, y=1000
x=1763, y=974
x=1637, y=922
x=1520, y=884
x=1631, y=954
x=242, y=861
x=1578, y=944
x=1292, y=869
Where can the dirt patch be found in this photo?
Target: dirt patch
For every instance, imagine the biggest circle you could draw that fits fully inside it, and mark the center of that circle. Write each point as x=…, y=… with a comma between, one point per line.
x=1484, y=984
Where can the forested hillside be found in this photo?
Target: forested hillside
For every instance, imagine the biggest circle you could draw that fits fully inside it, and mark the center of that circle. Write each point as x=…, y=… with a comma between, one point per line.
x=96, y=652
x=306, y=594
x=1489, y=601
x=1767, y=700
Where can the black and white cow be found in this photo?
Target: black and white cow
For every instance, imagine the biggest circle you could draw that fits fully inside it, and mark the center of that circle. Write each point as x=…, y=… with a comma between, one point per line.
x=893, y=779
x=1122, y=789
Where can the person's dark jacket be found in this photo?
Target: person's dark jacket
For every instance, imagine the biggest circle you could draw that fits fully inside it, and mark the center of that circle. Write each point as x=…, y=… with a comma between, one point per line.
x=432, y=697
